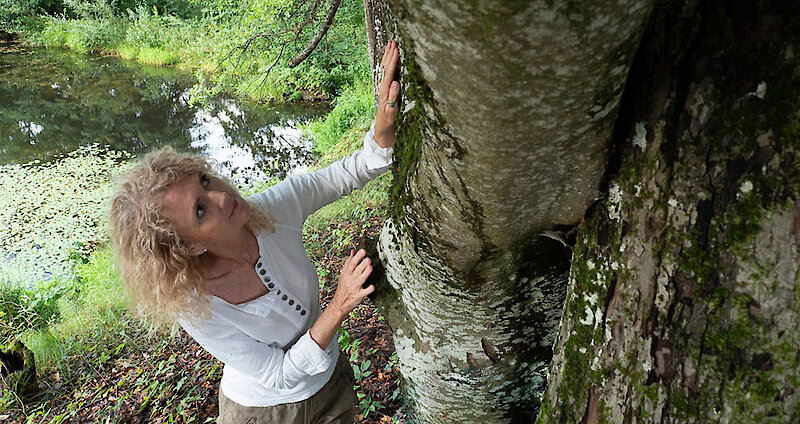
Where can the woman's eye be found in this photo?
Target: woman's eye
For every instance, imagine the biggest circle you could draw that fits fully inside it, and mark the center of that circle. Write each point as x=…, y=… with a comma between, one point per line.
x=201, y=210
x=204, y=180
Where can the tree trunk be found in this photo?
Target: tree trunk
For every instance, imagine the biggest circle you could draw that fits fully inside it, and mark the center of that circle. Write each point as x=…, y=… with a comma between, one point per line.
x=17, y=373
x=684, y=301
x=507, y=113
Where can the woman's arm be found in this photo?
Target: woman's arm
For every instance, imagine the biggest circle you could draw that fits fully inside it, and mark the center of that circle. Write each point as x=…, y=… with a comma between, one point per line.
x=268, y=364
x=294, y=199
x=274, y=367
x=357, y=267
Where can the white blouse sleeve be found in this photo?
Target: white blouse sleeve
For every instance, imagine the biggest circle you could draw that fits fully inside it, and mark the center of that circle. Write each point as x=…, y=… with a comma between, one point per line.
x=294, y=199
x=269, y=365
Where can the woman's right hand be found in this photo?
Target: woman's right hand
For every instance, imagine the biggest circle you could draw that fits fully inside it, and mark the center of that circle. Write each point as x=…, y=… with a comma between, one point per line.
x=350, y=292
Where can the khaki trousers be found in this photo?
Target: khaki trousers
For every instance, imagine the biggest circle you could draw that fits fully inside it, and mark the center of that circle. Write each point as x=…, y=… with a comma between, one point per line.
x=334, y=403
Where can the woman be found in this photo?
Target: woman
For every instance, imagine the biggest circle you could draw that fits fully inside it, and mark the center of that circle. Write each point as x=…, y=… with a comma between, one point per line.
x=233, y=272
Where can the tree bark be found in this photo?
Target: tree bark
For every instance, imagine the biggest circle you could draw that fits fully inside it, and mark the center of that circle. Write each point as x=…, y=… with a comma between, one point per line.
x=381, y=29
x=17, y=373
x=684, y=294
x=507, y=114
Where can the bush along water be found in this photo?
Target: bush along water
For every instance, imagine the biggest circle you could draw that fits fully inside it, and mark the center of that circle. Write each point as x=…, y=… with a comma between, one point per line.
x=206, y=36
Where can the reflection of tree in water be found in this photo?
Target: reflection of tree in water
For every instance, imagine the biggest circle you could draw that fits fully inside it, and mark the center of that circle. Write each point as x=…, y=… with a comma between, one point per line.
x=56, y=101
x=277, y=154
x=270, y=135
x=79, y=101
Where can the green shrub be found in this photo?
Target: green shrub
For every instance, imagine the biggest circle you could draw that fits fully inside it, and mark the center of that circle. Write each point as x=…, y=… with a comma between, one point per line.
x=54, y=33
x=145, y=28
x=186, y=9
x=354, y=108
x=29, y=309
x=78, y=316
x=22, y=15
x=91, y=9
x=83, y=36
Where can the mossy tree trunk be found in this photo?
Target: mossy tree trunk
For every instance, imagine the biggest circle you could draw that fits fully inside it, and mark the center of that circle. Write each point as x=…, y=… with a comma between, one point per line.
x=17, y=373
x=684, y=301
x=507, y=113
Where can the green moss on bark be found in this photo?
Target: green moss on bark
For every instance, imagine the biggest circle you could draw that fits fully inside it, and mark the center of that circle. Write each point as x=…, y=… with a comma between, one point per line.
x=408, y=148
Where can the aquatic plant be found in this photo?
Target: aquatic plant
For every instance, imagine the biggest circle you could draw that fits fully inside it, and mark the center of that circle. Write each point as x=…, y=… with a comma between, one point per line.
x=54, y=210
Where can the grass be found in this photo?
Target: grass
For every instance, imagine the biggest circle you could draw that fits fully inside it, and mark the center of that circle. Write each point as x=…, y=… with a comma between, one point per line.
x=128, y=51
x=82, y=36
x=156, y=56
x=92, y=301
x=94, y=359
x=354, y=109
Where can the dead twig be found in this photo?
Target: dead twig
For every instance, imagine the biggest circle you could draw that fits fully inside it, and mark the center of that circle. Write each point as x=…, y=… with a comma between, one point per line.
x=275, y=62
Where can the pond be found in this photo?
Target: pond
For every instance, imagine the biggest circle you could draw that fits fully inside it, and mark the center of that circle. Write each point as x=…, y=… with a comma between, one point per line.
x=70, y=122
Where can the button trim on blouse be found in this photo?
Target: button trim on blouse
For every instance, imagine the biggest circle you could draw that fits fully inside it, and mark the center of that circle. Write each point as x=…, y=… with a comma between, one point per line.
x=271, y=285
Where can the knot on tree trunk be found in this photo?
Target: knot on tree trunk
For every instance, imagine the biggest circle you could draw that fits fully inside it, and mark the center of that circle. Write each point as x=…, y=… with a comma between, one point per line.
x=17, y=371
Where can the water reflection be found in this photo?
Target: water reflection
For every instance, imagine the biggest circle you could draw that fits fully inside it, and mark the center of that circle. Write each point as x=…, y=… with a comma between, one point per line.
x=69, y=122
x=53, y=101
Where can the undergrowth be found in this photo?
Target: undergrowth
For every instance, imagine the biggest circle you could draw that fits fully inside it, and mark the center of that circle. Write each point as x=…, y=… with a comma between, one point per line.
x=96, y=361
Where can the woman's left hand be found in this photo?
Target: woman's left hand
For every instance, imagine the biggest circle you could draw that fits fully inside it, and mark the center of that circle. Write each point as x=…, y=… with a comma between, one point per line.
x=388, y=98
x=350, y=292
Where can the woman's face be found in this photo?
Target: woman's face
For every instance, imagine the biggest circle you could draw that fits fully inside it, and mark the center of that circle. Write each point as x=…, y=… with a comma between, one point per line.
x=204, y=209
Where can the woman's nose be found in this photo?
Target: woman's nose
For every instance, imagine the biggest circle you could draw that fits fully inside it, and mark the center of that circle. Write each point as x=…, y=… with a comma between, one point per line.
x=219, y=197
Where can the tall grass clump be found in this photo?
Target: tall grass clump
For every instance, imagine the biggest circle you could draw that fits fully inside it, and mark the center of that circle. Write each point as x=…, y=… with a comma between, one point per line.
x=152, y=38
x=353, y=110
x=96, y=28
x=156, y=56
x=86, y=320
x=83, y=36
x=128, y=52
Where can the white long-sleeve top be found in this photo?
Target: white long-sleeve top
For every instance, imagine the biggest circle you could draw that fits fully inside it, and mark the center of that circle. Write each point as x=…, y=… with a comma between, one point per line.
x=268, y=353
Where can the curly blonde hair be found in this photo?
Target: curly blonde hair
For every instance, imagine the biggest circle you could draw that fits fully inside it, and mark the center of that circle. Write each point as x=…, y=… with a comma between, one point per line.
x=163, y=276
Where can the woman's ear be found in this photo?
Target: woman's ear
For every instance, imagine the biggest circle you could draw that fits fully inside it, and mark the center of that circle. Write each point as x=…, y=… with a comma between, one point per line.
x=197, y=251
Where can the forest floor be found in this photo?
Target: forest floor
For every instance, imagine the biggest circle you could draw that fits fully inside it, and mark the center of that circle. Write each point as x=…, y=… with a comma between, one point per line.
x=158, y=377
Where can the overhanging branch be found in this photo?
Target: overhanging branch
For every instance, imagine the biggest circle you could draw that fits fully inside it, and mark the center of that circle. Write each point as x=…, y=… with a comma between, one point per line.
x=326, y=24
x=297, y=30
